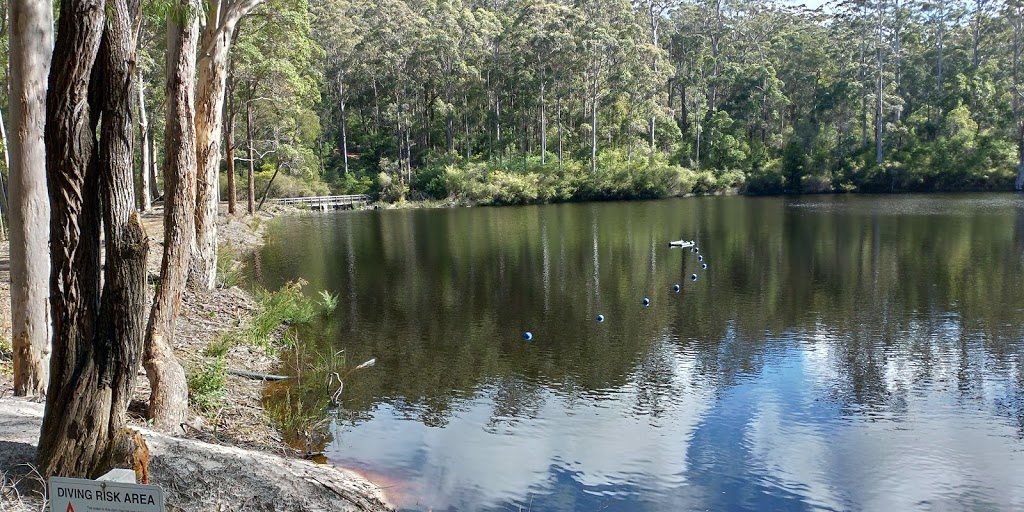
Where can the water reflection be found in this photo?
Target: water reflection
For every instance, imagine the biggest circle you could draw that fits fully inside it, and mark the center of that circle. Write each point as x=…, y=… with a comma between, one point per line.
x=839, y=353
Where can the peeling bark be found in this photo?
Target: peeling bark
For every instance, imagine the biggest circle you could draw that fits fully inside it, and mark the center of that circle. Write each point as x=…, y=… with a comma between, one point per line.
x=31, y=41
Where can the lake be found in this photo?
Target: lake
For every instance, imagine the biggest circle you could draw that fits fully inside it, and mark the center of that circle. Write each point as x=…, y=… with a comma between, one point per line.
x=838, y=353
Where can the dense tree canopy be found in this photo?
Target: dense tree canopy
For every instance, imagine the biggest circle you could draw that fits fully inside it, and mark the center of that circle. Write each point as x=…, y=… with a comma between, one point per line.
x=608, y=98
x=511, y=101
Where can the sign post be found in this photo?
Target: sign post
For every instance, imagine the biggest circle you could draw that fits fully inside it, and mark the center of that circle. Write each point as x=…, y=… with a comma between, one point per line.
x=78, y=495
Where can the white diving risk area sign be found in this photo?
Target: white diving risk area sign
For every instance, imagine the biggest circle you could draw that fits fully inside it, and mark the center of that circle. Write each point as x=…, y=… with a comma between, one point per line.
x=78, y=495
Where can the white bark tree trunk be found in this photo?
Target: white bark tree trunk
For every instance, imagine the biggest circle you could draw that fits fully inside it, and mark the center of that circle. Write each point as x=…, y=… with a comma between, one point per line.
x=145, y=201
x=221, y=19
x=7, y=165
x=31, y=46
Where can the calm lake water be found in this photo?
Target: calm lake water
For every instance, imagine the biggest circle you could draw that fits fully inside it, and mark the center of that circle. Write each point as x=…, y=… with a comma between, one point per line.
x=838, y=353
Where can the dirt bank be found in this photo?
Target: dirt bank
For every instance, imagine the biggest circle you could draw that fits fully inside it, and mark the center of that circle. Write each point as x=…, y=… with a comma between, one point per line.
x=239, y=421
x=194, y=475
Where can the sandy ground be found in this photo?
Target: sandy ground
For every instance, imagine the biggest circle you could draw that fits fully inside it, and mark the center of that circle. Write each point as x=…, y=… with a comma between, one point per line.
x=240, y=431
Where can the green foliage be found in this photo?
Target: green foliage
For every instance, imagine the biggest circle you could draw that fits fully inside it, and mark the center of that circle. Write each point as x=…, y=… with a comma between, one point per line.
x=287, y=185
x=391, y=187
x=459, y=100
x=229, y=266
x=617, y=177
x=328, y=302
x=219, y=347
x=6, y=356
x=275, y=311
x=352, y=184
x=206, y=386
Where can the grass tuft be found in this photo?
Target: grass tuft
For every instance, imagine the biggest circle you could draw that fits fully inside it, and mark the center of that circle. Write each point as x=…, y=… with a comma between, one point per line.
x=6, y=356
x=275, y=311
x=328, y=302
x=206, y=386
x=229, y=266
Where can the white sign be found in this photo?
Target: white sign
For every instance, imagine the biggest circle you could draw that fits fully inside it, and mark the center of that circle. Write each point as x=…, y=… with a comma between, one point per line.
x=78, y=495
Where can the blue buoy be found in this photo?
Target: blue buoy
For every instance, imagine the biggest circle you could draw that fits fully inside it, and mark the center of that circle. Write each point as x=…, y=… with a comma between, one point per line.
x=646, y=301
x=600, y=318
x=704, y=266
x=527, y=335
x=675, y=287
x=693, y=277
x=700, y=258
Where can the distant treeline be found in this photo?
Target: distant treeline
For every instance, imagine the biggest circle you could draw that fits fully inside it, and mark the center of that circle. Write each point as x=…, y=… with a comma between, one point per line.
x=540, y=100
x=513, y=101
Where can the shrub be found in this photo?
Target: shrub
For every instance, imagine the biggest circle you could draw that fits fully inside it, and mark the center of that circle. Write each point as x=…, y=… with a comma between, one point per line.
x=206, y=386
x=390, y=188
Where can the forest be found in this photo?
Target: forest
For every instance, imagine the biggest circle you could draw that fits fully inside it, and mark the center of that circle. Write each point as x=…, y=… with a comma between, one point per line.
x=534, y=101
x=522, y=101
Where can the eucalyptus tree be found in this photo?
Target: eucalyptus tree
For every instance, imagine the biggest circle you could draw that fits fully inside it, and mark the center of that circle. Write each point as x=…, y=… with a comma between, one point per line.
x=393, y=31
x=168, y=401
x=453, y=47
x=31, y=41
x=98, y=310
x=337, y=28
x=222, y=17
x=277, y=83
x=601, y=34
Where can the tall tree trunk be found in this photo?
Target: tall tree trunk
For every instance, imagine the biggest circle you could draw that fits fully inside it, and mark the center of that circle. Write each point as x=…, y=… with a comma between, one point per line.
x=593, y=130
x=376, y=106
x=144, y=188
x=153, y=159
x=97, y=331
x=250, y=189
x=980, y=10
x=168, y=401
x=939, y=72
x=1017, y=23
x=716, y=53
x=559, y=115
x=879, y=100
x=497, y=124
x=229, y=150
x=344, y=124
x=7, y=165
x=31, y=41
x=655, y=12
x=221, y=19
x=543, y=127
x=863, y=82
x=450, y=122
x=229, y=146
x=465, y=117
x=629, y=131
x=697, y=128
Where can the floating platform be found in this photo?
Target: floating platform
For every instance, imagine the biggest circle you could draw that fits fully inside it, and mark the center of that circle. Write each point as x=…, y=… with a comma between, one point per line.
x=682, y=243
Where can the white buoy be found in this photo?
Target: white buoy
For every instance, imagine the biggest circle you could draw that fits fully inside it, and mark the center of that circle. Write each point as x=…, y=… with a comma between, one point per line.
x=600, y=318
x=527, y=335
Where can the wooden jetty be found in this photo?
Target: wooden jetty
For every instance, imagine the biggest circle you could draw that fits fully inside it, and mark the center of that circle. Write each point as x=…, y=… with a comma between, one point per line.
x=682, y=243
x=324, y=203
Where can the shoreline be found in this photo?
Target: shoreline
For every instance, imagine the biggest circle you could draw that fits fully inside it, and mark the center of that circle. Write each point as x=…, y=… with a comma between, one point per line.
x=426, y=204
x=240, y=427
